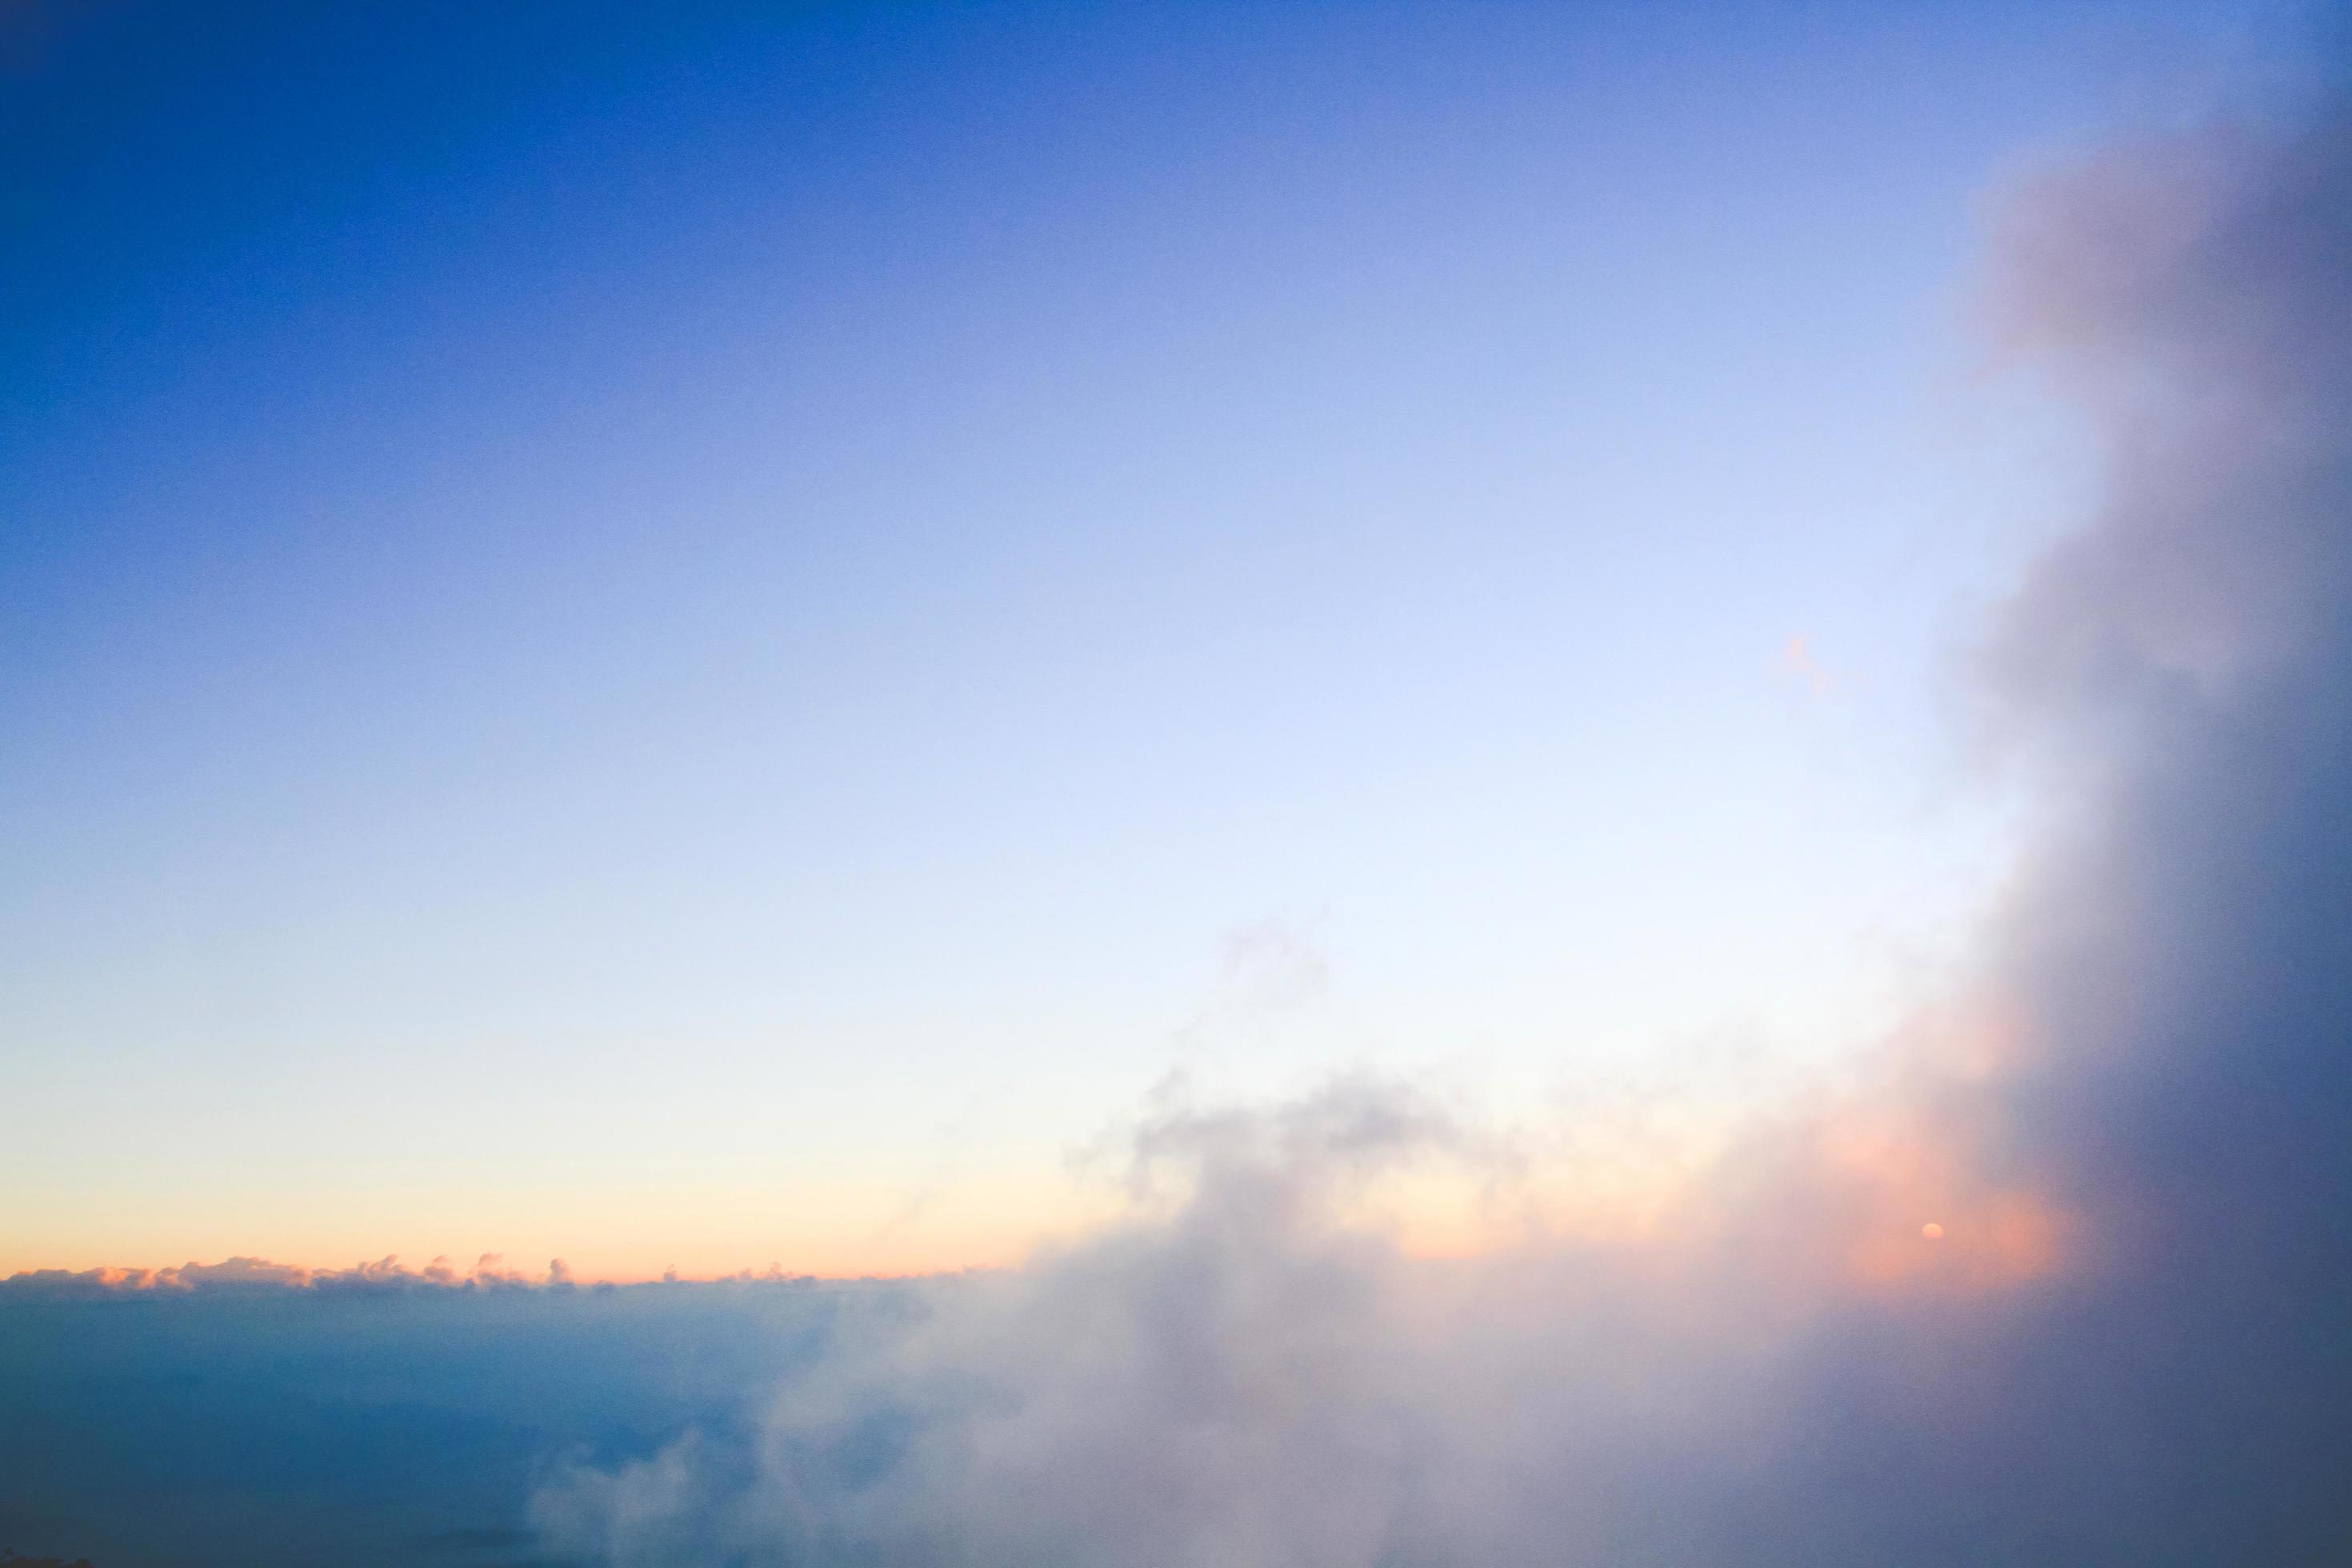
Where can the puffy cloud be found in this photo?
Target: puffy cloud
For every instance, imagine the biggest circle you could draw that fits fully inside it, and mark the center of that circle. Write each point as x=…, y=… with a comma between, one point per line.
x=232, y=1274
x=2066, y=1285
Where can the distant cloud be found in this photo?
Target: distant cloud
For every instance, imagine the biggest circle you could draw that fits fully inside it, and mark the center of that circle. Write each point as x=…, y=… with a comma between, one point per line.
x=256, y=1275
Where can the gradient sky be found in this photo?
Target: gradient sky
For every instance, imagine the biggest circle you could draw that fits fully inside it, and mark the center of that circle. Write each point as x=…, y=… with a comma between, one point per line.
x=712, y=638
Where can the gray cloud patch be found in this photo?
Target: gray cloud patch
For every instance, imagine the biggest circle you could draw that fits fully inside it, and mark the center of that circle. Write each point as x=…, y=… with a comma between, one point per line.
x=2131, y=1347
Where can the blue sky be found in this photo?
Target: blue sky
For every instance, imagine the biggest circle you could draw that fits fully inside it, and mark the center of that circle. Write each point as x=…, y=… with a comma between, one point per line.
x=714, y=637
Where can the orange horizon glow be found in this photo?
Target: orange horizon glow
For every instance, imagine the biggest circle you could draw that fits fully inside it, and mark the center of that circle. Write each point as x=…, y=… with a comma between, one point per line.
x=1867, y=1180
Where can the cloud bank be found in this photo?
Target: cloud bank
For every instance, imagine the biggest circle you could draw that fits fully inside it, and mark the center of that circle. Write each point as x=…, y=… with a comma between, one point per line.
x=259, y=1274
x=2124, y=1339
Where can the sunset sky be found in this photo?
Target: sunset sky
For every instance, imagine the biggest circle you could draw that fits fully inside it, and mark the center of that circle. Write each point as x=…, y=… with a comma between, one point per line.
x=705, y=635
x=1279, y=785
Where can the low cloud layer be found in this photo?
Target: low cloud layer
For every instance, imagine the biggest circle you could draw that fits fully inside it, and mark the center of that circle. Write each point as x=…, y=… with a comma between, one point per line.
x=2068, y=1286
x=252, y=1275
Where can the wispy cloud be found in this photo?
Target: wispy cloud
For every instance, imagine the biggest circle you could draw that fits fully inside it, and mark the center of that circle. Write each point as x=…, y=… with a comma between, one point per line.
x=1798, y=663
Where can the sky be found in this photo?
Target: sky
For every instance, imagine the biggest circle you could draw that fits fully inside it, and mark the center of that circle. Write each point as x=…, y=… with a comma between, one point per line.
x=1469, y=787
x=714, y=637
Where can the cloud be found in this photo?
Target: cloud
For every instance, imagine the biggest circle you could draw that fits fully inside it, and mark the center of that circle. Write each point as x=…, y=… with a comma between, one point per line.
x=2066, y=1284
x=259, y=1276
x=1275, y=966
x=1798, y=663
